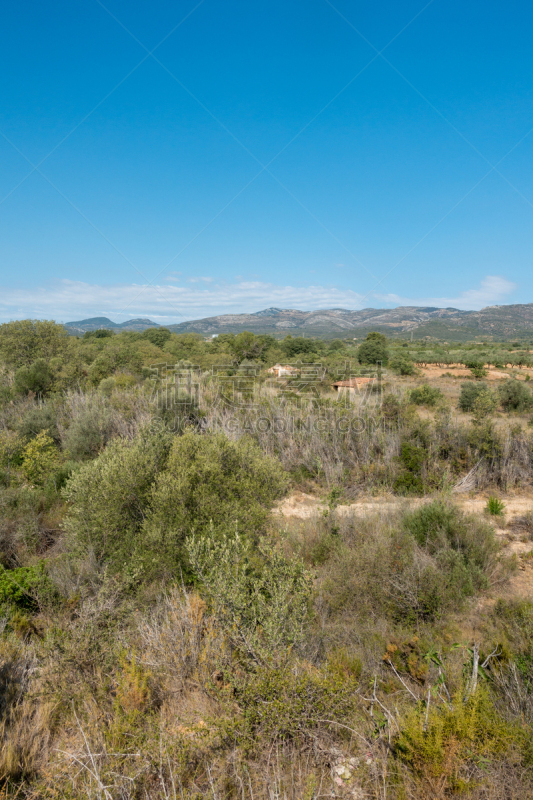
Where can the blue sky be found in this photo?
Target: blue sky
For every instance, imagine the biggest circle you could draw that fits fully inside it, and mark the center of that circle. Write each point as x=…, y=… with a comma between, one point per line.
x=178, y=160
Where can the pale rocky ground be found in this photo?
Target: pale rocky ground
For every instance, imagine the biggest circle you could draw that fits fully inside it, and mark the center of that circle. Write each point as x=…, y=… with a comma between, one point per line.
x=515, y=526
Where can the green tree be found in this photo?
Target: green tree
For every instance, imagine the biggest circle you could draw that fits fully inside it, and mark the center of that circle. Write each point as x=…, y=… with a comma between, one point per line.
x=157, y=336
x=247, y=345
x=298, y=345
x=477, y=368
x=373, y=350
x=101, y=333
x=24, y=341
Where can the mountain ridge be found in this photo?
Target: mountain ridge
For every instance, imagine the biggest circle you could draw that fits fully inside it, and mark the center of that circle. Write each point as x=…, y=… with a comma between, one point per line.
x=498, y=321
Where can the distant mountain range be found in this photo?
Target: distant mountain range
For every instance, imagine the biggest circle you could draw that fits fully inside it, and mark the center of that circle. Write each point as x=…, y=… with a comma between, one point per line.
x=497, y=322
x=103, y=323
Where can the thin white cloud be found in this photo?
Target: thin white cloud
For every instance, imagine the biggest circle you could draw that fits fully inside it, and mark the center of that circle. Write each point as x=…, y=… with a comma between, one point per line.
x=68, y=300
x=492, y=290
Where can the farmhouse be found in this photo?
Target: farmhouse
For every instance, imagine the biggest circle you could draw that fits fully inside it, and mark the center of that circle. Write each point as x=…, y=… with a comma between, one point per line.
x=280, y=370
x=352, y=386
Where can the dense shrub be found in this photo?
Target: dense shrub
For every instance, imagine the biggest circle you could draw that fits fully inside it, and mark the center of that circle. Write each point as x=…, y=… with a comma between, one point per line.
x=37, y=378
x=297, y=346
x=425, y=395
x=279, y=705
x=411, y=568
x=412, y=458
x=515, y=396
x=37, y=419
x=260, y=604
x=157, y=336
x=23, y=341
x=88, y=433
x=439, y=743
x=24, y=587
x=211, y=480
x=402, y=364
x=110, y=497
x=469, y=393
x=101, y=333
x=39, y=458
x=463, y=546
x=135, y=504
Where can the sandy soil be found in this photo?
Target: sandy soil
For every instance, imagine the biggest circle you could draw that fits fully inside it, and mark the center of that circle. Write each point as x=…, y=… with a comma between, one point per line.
x=512, y=527
x=463, y=372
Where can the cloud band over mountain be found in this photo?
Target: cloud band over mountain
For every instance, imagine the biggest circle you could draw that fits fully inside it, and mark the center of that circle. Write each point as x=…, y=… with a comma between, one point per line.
x=66, y=299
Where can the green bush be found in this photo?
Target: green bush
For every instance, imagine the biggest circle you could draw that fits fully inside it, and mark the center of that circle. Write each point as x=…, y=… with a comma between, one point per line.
x=134, y=505
x=106, y=386
x=280, y=705
x=444, y=741
x=157, y=336
x=298, y=346
x=24, y=587
x=465, y=547
x=23, y=341
x=412, y=457
x=110, y=497
x=39, y=458
x=37, y=419
x=515, y=396
x=402, y=364
x=425, y=395
x=101, y=333
x=88, y=433
x=495, y=506
x=211, y=480
x=408, y=568
x=260, y=603
x=477, y=368
x=37, y=378
x=469, y=394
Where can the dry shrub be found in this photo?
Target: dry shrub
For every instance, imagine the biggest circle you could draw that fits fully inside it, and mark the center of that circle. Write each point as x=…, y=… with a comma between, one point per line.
x=26, y=720
x=180, y=643
x=89, y=419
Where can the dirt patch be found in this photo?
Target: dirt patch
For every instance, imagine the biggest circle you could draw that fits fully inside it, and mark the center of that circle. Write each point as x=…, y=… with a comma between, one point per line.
x=304, y=506
x=432, y=372
x=463, y=372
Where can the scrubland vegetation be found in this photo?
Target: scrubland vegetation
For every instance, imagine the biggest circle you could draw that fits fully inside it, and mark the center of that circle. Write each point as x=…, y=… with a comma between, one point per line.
x=167, y=634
